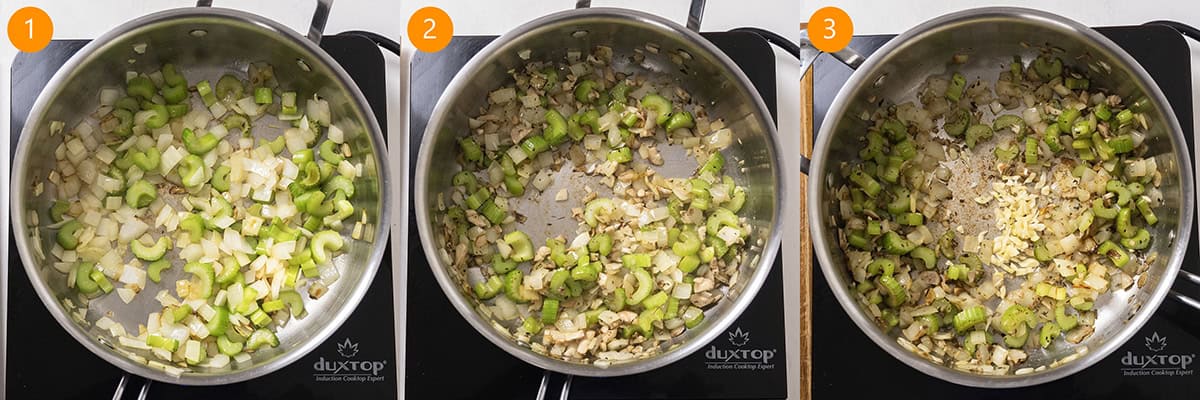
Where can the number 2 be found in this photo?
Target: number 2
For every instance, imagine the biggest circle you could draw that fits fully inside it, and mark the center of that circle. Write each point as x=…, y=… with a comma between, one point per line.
x=829, y=28
x=428, y=32
x=30, y=23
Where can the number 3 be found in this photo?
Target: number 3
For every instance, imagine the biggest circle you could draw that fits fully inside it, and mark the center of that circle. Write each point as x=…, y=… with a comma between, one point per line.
x=829, y=28
x=30, y=23
x=432, y=25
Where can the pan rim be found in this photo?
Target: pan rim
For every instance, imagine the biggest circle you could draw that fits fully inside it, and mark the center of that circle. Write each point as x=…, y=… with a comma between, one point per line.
x=104, y=41
x=451, y=290
x=885, y=341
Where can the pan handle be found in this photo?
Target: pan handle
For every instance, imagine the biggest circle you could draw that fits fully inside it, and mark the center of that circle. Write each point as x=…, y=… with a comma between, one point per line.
x=550, y=388
x=846, y=55
x=695, y=12
x=127, y=381
x=316, y=28
x=1180, y=297
x=849, y=56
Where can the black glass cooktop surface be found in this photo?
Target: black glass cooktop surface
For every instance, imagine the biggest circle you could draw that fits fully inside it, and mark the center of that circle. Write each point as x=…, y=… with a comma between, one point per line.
x=1156, y=363
x=44, y=362
x=447, y=359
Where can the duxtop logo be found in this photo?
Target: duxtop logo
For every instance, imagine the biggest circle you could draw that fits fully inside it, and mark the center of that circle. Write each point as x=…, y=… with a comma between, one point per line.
x=347, y=370
x=1155, y=343
x=739, y=338
x=347, y=348
x=740, y=356
x=1157, y=363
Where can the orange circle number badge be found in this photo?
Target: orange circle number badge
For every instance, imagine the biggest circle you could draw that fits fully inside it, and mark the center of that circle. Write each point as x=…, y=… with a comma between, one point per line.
x=430, y=29
x=30, y=29
x=830, y=29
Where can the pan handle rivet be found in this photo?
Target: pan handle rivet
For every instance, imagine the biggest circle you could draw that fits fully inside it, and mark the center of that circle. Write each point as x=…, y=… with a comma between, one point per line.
x=198, y=32
x=579, y=33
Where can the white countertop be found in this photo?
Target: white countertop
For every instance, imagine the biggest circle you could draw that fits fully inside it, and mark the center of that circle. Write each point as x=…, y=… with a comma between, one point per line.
x=87, y=19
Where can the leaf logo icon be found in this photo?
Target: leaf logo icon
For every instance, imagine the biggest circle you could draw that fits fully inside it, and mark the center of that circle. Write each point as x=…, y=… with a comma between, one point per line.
x=347, y=349
x=739, y=338
x=1156, y=343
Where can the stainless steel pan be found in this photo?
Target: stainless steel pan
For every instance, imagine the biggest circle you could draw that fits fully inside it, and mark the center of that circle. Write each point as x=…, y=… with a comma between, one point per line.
x=991, y=36
x=707, y=73
x=205, y=43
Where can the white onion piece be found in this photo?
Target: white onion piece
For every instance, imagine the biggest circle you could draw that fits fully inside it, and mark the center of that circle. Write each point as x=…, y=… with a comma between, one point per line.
x=131, y=230
x=249, y=107
x=491, y=142
x=329, y=274
x=219, y=131
x=614, y=136
x=581, y=240
x=543, y=179
x=1031, y=116
x=505, y=309
x=218, y=361
x=682, y=292
x=516, y=154
x=591, y=142
x=336, y=134
x=474, y=276
x=126, y=295
x=664, y=260
x=318, y=111
x=109, y=96
x=170, y=158
x=608, y=121
x=719, y=139
x=1155, y=195
x=178, y=332
x=133, y=275
x=502, y=96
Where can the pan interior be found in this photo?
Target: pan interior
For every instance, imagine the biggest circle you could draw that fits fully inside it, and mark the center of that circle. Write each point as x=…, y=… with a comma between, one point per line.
x=675, y=58
x=204, y=44
x=990, y=38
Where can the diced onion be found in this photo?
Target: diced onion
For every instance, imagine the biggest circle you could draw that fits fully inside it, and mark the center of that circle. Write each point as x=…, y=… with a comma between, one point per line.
x=248, y=106
x=719, y=139
x=505, y=309
x=502, y=96
x=109, y=96
x=516, y=154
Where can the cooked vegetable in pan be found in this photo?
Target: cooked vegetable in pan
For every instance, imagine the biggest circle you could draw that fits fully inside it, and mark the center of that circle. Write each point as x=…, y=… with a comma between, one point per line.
x=233, y=235
x=648, y=254
x=991, y=235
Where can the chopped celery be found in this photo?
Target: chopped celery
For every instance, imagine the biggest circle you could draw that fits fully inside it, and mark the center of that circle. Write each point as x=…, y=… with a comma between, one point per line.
x=203, y=279
x=154, y=270
x=585, y=91
x=83, y=278
x=322, y=243
x=489, y=289
x=645, y=283
x=661, y=106
x=522, y=247
x=969, y=317
x=66, y=235
x=150, y=253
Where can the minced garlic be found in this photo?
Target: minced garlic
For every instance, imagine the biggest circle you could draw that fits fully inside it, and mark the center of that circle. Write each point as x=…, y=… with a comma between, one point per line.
x=1017, y=220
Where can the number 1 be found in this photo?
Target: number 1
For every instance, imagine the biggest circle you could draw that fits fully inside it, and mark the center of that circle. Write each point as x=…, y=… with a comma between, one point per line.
x=30, y=23
x=432, y=25
x=832, y=32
